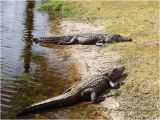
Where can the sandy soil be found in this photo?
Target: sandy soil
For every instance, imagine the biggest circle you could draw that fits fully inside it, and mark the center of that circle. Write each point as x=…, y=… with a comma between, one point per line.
x=91, y=60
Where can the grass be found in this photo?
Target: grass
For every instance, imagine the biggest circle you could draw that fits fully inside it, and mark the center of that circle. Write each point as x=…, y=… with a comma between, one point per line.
x=55, y=8
x=138, y=20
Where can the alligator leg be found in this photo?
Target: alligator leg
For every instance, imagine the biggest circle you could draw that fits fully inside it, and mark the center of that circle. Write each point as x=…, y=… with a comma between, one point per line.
x=114, y=85
x=72, y=41
x=94, y=97
x=101, y=43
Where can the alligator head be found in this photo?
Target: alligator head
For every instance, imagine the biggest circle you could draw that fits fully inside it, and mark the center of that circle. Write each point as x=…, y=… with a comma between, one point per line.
x=114, y=73
x=116, y=38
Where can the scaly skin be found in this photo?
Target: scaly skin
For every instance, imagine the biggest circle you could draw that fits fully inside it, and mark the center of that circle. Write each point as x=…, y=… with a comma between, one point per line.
x=91, y=88
x=85, y=39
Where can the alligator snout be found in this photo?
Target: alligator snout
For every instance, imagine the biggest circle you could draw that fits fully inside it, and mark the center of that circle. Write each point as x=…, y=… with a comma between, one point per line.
x=129, y=39
x=125, y=39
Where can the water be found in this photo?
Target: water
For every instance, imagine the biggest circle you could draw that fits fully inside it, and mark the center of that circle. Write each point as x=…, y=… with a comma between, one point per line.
x=30, y=72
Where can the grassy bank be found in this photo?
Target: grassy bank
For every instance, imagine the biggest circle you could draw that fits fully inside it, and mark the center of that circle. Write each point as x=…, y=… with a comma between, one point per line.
x=138, y=20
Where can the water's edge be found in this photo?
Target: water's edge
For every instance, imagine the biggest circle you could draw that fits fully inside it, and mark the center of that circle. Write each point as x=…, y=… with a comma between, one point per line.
x=30, y=72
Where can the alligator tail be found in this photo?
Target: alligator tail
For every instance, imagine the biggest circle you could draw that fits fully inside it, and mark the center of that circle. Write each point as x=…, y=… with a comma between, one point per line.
x=56, y=102
x=53, y=39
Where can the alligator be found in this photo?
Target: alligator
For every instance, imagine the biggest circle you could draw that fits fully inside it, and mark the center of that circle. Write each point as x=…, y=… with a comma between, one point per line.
x=84, y=39
x=90, y=88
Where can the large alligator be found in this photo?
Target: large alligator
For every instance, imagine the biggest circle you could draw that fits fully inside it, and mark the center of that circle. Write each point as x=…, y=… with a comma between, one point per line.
x=90, y=88
x=85, y=39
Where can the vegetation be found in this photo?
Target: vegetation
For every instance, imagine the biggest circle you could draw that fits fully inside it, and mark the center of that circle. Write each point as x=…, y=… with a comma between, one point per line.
x=55, y=8
x=138, y=20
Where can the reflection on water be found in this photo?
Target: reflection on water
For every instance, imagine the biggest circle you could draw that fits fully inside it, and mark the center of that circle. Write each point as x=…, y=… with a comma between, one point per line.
x=30, y=72
x=28, y=29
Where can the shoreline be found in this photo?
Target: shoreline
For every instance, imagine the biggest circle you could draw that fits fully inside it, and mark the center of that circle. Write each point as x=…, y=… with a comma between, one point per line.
x=91, y=59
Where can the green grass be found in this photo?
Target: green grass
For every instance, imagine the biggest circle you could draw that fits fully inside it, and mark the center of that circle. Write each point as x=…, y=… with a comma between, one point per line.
x=50, y=5
x=55, y=8
x=135, y=19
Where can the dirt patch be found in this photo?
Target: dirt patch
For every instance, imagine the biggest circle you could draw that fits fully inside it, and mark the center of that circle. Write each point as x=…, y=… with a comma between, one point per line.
x=91, y=60
x=151, y=43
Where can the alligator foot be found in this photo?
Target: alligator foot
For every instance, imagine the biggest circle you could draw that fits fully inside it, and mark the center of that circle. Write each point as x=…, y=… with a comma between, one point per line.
x=100, y=99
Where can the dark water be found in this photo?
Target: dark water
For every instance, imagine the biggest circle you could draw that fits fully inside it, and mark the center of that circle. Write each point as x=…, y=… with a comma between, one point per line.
x=30, y=72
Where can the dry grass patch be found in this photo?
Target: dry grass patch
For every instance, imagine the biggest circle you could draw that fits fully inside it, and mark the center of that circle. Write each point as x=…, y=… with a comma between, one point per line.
x=141, y=90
